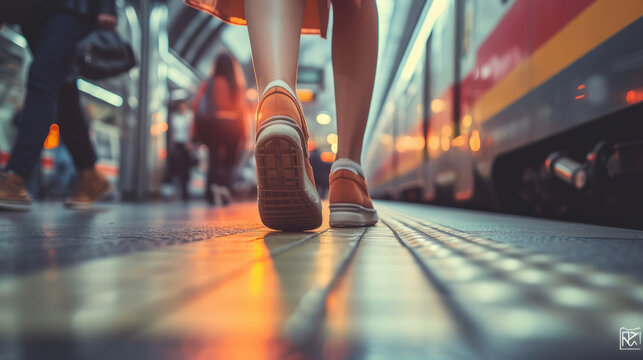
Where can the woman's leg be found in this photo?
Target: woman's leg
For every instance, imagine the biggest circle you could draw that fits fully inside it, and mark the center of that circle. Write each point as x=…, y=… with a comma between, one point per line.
x=74, y=129
x=230, y=159
x=354, y=62
x=274, y=28
x=184, y=169
x=211, y=172
x=52, y=52
x=286, y=194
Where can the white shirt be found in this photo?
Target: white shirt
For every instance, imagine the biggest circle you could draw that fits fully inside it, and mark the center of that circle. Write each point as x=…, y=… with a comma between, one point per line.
x=181, y=124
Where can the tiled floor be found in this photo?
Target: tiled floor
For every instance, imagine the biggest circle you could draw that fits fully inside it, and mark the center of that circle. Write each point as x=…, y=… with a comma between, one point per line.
x=167, y=281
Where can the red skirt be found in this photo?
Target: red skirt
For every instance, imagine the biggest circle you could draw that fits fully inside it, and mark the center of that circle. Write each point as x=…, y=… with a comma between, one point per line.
x=233, y=12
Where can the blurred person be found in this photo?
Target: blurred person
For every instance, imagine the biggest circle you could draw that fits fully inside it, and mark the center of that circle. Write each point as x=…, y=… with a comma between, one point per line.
x=321, y=169
x=182, y=126
x=287, y=197
x=221, y=111
x=53, y=34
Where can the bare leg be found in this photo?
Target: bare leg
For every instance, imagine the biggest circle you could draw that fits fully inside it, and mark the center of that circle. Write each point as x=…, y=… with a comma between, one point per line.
x=285, y=202
x=354, y=62
x=274, y=28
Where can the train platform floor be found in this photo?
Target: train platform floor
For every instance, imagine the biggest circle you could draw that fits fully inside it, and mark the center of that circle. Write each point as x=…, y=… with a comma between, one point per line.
x=169, y=281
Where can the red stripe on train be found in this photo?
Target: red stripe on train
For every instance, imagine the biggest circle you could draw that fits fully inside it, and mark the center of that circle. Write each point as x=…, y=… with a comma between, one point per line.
x=511, y=42
x=508, y=45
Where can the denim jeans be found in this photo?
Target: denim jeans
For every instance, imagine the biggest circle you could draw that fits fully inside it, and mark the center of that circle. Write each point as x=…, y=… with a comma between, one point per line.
x=51, y=96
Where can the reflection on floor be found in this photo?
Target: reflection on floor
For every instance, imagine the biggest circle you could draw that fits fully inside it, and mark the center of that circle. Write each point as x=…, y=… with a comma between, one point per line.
x=163, y=281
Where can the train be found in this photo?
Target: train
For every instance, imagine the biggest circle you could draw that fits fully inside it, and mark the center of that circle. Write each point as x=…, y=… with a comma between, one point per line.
x=524, y=106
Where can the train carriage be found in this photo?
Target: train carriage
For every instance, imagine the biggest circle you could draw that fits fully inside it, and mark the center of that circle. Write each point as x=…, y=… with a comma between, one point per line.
x=522, y=104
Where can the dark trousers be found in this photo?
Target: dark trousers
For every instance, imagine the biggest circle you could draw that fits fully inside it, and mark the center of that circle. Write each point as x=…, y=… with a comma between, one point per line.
x=223, y=145
x=182, y=158
x=50, y=97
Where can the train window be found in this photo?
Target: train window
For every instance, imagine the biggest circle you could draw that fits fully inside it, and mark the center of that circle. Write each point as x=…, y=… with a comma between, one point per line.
x=459, y=53
x=467, y=30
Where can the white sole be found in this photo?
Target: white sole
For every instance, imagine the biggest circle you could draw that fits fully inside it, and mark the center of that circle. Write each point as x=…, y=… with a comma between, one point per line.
x=351, y=215
x=286, y=197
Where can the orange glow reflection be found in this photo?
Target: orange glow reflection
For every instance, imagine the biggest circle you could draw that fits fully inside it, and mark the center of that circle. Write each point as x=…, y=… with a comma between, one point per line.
x=244, y=314
x=434, y=143
x=634, y=96
x=251, y=94
x=158, y=128
x=437, y=106
x=410, y=143
x=328, y=156
x=445, y=143
x=474, y=140
x=458, y=141
x=338, y=320
x=467, y=120
x=305, y=95
x=237, y=21
x=53, y=138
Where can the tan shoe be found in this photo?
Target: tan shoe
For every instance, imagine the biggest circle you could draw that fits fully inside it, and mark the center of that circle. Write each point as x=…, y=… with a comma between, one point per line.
x=286, y=190
x=350, y=203
x=13, y=194
x=92, y=186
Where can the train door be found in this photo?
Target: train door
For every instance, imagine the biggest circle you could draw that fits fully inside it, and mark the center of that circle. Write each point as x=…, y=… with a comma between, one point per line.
x=440, y=127
x=380, y=160
x=409, y=140
x=465, y=56
x=428, y=189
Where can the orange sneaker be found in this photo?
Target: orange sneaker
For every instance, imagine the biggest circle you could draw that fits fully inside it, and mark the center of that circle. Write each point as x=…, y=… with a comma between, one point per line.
x=350, y=203
x=286, y=190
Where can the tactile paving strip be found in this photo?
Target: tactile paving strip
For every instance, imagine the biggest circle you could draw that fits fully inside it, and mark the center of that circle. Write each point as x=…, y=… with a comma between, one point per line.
x=383, y=306
x=406, y=288
x=518, y=297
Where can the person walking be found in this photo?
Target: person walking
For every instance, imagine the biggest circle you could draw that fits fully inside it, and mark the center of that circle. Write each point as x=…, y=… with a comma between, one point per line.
x=287, y=198
x=53, y=34
x=221, y=111
x=182, y=123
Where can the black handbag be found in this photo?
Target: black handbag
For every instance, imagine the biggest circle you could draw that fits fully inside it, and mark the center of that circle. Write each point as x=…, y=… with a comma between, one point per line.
x=103, y=54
